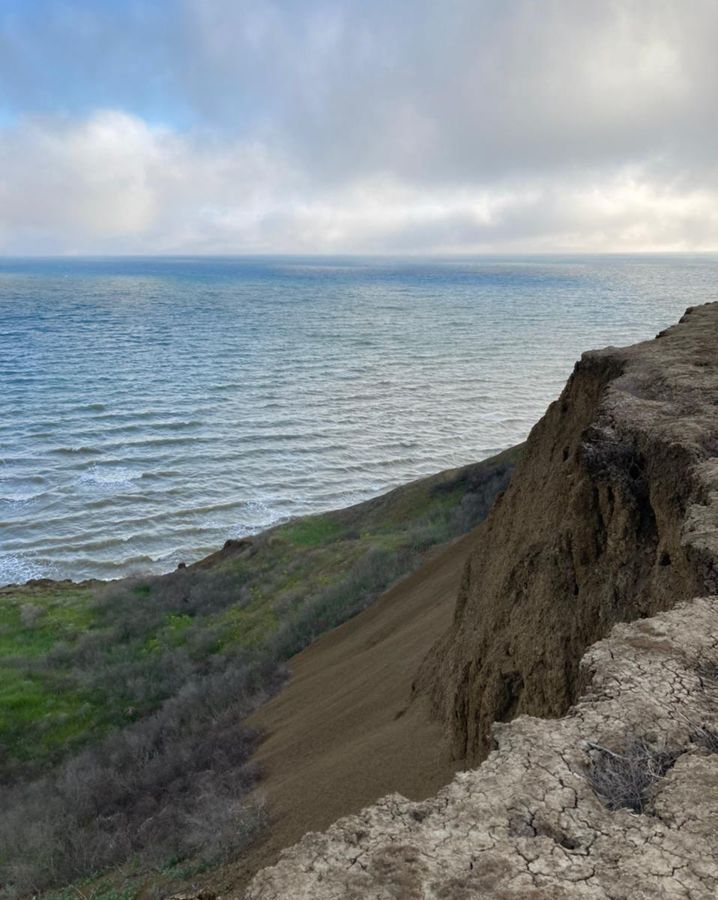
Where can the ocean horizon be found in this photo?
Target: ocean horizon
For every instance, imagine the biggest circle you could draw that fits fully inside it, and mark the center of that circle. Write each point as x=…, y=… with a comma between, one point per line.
x=151, y=408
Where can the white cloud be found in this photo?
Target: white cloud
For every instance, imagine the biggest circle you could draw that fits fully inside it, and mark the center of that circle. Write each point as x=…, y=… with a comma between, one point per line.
x=363, y=126
x=113, y=181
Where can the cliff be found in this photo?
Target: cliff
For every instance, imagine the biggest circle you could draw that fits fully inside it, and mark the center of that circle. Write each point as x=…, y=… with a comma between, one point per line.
x=611, y=516
x=608, y=518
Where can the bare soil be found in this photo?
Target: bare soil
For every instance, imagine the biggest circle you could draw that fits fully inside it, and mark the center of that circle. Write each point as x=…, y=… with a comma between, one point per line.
x=341, y=734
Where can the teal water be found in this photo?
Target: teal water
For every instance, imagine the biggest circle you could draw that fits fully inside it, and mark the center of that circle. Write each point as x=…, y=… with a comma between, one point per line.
x=150, y=409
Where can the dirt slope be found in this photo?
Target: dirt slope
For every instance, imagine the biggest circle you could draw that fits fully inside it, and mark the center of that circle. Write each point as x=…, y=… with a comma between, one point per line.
x=341, y=733
x=530, y=824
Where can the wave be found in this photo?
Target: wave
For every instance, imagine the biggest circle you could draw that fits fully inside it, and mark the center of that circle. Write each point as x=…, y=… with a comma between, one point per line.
x=23, y=488
x=259, y=515
x=76, y=450
x=19, y=569
x=21, y=497
x=105, y=477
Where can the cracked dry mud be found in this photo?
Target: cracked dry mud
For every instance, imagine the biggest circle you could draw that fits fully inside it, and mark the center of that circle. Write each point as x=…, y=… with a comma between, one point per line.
x=612, y=516
x=527, y=824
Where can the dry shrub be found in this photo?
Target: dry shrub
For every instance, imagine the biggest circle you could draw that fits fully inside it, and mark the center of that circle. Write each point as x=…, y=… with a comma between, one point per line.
x=173, y=785
x=706, y=738
x=627, y=780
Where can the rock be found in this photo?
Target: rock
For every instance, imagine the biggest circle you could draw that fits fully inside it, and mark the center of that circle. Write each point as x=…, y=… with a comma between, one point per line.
x=237, y=544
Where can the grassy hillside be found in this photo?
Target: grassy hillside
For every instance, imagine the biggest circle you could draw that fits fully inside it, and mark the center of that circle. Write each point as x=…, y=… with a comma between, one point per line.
x=121, y=704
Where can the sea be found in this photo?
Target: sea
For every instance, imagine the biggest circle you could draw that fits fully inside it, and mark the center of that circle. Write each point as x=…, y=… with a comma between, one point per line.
x=152, y=408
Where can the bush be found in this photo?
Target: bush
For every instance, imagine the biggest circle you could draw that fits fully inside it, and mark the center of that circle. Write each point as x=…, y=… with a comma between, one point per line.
x=326, y=609
x=706, y=738
x=174, y=784
x=627, y=780
x=29, y=614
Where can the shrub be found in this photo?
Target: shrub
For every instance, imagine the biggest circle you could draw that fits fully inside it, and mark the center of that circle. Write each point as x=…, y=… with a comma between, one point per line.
x=171, y=785
x=29, y=614
x=627, y=780
x=329, y=607
x=705, y=737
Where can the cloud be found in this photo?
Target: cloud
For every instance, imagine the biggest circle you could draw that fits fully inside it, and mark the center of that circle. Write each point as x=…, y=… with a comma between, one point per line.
x=217, y=126
x=113, y=181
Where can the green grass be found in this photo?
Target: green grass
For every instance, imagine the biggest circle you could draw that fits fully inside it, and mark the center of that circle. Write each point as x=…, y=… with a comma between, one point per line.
x=41, y=713
x=50, y=702
x=78, y=661
x=310, y=532
x=51, y=615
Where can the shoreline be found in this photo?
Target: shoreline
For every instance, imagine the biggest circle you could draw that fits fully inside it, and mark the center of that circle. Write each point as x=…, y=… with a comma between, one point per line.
x=230, y=543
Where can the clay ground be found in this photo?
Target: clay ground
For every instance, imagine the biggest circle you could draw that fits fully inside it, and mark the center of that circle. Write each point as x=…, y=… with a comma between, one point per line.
x=341, y=733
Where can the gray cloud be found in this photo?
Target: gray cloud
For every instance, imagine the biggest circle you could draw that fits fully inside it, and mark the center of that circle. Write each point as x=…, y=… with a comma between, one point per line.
x=224, y=126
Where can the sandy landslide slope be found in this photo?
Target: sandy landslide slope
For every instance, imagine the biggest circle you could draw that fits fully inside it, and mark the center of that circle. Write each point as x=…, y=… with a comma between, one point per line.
x=339, y=735
x=611, y=516
x=527, y=824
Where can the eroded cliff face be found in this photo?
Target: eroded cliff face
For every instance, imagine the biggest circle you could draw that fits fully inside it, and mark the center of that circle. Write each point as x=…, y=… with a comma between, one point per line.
x=612, y=516
x=604, y=521
x=534, y=822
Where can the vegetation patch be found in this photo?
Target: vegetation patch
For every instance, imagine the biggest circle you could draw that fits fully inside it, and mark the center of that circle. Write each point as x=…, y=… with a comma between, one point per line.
x=628, y=779
x=122, y=704
x=311, y=531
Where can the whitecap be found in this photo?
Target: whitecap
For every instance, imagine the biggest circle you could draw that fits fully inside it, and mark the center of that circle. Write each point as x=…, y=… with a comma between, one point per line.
x=108, y=478
x=256, y=515
x=19, y=569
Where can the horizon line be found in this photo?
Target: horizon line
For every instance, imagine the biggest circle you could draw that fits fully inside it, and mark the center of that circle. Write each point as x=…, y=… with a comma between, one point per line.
x=357, y=255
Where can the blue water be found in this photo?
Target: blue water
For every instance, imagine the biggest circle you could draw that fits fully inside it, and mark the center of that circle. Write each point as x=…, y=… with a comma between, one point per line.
x=150, y=409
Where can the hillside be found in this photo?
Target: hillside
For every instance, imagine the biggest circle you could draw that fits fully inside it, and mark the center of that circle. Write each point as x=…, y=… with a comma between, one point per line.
x=340, y=734
x=123, y=705
x=611, y=516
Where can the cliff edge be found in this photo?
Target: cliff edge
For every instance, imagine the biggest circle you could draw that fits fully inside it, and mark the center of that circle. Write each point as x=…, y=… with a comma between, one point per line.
x=612, y=516
x=534, y=822
x=608, y=518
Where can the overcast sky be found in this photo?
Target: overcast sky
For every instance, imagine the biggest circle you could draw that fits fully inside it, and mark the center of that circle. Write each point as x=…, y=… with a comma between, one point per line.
x=367, y=126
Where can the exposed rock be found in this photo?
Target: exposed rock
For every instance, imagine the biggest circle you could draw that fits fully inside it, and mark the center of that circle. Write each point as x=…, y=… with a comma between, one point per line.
x=528, y=824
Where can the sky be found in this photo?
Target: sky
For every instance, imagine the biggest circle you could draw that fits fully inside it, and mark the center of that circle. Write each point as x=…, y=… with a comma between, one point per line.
x=358, y=126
